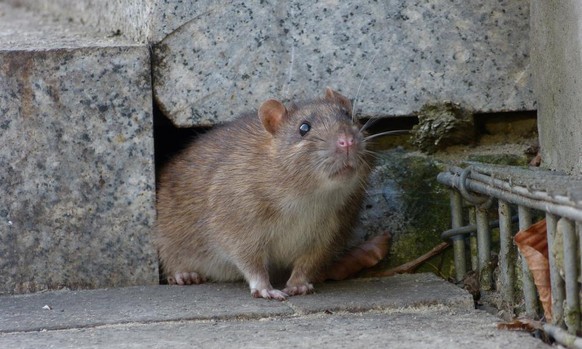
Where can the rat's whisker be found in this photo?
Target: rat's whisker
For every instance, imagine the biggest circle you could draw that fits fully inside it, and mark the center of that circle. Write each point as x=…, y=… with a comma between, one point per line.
x=360, y=85
x=387, y=133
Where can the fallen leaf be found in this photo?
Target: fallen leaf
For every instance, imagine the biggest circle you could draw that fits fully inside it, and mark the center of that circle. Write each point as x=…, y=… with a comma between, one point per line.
x=366, y=255
x=533, y=245
x=526, y=325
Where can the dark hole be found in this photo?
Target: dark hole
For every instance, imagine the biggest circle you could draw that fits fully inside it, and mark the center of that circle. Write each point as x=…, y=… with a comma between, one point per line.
x=169, y=140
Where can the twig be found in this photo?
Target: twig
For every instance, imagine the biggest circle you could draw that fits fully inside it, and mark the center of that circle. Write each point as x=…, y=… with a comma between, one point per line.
x=411, y=266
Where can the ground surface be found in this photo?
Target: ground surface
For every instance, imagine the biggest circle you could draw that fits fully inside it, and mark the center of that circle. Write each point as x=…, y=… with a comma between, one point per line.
x=405, y=311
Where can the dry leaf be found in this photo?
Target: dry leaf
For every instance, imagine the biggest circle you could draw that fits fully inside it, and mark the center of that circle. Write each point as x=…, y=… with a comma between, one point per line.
x=520, y=325
x=367, y=255
x=533, y=245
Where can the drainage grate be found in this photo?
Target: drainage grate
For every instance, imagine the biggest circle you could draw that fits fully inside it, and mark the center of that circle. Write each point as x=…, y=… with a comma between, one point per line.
x=529, y=193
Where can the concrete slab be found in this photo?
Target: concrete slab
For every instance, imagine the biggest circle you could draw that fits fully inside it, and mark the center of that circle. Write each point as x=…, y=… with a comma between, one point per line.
x=420, y=328
x=399, y=291
x=90, y=308
x=226, y=316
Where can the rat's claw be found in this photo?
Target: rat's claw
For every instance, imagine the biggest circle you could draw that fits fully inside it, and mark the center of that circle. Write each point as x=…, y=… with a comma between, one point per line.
x=269, y=294
x=186, y=278
x=299, y=289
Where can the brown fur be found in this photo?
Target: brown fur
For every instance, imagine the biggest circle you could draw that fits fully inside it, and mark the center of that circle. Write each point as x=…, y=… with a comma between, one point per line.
x=254, y=197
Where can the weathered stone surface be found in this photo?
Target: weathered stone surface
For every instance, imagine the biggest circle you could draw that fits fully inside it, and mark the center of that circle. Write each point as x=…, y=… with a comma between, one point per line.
x=557, y=67
x=405, y=200
x=405, y=311
x=77, y=171
x=395, y=56
x=115, y=18
x=27, y=30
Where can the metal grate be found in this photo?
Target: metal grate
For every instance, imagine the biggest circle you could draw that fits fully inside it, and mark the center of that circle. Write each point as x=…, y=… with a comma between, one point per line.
x=530, y=193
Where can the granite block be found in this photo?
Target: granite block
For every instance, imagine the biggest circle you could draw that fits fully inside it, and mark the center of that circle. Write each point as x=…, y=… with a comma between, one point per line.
x=394, y=56
x=76, y=162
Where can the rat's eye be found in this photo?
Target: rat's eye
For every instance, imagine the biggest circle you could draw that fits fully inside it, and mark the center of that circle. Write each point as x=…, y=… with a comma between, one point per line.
x=304, y=128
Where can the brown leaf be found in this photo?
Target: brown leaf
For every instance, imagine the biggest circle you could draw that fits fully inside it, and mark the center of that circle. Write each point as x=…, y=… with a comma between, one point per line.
x=533, y=245
x=367, y=255
x=520, y=325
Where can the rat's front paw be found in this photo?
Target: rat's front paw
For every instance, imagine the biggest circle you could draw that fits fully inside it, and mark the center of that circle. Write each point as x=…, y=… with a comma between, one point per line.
x=269, y=294
x=301, y=289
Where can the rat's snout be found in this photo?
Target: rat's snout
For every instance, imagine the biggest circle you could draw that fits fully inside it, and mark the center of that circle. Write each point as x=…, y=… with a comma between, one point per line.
x=345, y=141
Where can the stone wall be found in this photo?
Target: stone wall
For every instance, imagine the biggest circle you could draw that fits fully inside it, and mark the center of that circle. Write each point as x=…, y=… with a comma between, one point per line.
x=216, y=59
x=394, y=56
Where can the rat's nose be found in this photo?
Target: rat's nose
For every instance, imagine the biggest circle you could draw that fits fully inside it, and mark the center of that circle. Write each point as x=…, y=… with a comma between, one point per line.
x=345, y=141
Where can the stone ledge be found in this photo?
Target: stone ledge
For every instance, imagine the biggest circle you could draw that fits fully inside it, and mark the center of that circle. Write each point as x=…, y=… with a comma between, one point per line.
x=89, y=308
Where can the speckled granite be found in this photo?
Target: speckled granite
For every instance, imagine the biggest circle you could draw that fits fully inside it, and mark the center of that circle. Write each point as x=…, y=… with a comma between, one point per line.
x=231, y=56
x=76, y=161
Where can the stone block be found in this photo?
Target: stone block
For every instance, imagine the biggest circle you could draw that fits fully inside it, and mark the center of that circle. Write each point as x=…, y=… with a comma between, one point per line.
x=557, y=67
x=77, y=170
x=394, y=56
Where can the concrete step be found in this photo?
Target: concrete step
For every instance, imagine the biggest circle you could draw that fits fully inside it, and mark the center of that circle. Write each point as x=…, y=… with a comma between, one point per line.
x=77, y=178
x=404, y=311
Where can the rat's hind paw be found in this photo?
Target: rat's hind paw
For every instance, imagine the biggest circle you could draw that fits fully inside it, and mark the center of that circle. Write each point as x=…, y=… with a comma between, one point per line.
x=269, y=294
x=305, y=288
x=186, y=278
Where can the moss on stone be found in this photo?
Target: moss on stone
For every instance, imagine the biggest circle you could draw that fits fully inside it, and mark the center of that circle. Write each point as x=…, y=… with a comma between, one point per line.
x=416, y=208
x=500, y=159
x=441, y=125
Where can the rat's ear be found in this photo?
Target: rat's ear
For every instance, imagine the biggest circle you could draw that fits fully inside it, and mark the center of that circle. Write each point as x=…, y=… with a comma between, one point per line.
x=338, y=98
x=272, y=113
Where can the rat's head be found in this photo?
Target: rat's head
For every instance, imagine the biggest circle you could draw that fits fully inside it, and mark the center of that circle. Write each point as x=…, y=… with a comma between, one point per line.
x=317, y=140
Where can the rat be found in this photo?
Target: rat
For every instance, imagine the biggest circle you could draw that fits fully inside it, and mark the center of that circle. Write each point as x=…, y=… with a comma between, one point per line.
x=273, y=191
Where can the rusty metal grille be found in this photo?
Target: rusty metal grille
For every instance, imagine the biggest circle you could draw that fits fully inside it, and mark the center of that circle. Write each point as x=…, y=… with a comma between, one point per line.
x=519, y=196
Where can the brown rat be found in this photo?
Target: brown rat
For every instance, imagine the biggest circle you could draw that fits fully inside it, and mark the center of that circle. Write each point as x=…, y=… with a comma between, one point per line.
x=262, y=194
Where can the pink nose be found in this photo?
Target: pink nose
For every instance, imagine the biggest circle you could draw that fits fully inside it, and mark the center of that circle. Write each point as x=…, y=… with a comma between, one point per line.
x=345, y=141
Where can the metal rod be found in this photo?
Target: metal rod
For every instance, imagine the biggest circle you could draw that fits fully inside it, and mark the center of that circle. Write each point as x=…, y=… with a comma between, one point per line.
x=572, y=312
x=473, y=240
x=563, y=337
x=484, y=250
x=556, y=281
x=512, y=197
x=471, y=228
x=529, y=288
x=506, y=254
x=578, y=231
x=459, y=242
x=533, y=194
